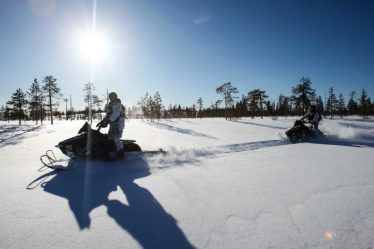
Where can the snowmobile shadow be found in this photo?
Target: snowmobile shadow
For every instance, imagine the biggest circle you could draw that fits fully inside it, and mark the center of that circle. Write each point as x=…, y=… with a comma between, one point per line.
x=262, y=125
x=180, y=130
x=87, y=185
x=19, y=135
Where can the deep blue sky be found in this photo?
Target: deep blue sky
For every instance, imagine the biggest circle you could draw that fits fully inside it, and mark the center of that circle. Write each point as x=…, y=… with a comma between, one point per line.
x=185, y=49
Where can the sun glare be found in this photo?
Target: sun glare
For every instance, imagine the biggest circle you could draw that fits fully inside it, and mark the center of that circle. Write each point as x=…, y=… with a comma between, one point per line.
x=93, y=45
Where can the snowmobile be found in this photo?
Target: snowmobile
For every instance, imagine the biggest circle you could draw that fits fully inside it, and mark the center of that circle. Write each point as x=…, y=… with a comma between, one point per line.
x=92, y=145
x=302, y=131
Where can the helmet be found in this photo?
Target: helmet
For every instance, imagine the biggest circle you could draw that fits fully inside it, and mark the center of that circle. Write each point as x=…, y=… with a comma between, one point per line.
x=113, y=96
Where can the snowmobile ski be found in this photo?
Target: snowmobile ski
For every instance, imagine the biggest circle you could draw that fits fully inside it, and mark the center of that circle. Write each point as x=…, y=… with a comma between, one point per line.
x=48, y=159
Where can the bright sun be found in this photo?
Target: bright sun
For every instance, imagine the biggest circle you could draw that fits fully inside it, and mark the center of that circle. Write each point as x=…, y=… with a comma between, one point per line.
x=93, y=45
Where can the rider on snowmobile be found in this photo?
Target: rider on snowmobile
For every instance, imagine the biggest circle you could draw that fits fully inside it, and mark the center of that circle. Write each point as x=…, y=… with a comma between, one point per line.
x=312, y=117
x=115, y=117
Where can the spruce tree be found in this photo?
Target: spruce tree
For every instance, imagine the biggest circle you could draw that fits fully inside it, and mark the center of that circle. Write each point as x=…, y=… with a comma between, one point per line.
x=18, y=101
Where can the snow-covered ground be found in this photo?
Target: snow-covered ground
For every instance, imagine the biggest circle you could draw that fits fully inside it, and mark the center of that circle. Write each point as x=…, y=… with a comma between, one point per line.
x=223, y=184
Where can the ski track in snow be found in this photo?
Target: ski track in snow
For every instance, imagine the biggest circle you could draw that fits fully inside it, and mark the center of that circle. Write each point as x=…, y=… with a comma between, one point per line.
x=290, y=206
x=337, y=132
x=178, y=157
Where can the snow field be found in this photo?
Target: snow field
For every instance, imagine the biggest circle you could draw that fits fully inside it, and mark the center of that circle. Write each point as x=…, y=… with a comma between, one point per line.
x=222, y=185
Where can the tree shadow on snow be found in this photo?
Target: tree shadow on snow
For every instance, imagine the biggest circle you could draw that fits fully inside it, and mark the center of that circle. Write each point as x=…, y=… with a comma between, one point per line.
x=87, y=185
x=181, y=130
x=15, y=134
x=368, y=142
x=261, y=125
x=357, y=126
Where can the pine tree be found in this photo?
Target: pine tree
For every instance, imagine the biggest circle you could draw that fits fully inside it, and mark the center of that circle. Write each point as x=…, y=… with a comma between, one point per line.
x=97, y=101
x=158, y=106
x=341, y=105
x=283, y=105
x=200, y=104
x=241, y=107
x=2, y=112
x=319, y=105
x=36, y=101
x=18, y=101
x=151, y=108
x=143, y=105
x=331, y=102
x=253, y=99
x=262, y=99
x=228, y=93
x=363, y=107
x=88, y=89
x=303, y=93
x=51, y=91
x=352, y=104
x=369, y=106
x=269, y=108
x=7, y=113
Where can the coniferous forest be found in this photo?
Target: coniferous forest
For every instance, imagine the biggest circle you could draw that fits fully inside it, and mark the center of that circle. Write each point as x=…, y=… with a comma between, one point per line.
x=44, y=98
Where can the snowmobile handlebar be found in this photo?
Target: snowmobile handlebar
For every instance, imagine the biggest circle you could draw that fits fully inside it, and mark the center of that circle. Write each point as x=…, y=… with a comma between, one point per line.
x=102, y=124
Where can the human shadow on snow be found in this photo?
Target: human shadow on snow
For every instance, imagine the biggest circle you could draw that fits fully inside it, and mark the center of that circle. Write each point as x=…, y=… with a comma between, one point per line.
x=87, y=185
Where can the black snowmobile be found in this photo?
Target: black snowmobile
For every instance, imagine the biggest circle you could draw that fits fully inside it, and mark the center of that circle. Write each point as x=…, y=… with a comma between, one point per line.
x=90, y=144
x=302, y=131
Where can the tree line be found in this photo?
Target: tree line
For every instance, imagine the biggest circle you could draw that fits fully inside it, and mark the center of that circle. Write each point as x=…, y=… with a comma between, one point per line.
x=40, y=102
x=256, y=103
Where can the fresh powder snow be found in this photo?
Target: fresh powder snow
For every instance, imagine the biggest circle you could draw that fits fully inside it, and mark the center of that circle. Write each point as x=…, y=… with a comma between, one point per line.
x=222, y=184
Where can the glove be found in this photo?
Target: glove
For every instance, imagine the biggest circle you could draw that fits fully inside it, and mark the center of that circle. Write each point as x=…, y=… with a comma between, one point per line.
x=103, y=123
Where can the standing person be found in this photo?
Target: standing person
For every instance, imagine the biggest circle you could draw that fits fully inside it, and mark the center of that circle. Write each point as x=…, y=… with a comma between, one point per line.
x=115, y=117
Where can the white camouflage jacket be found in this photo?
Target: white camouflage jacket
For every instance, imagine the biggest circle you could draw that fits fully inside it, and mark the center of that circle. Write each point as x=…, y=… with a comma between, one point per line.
x=115, y=113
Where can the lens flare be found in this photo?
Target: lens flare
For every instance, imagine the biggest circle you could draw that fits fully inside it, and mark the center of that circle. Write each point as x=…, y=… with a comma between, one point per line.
x=328, y=235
